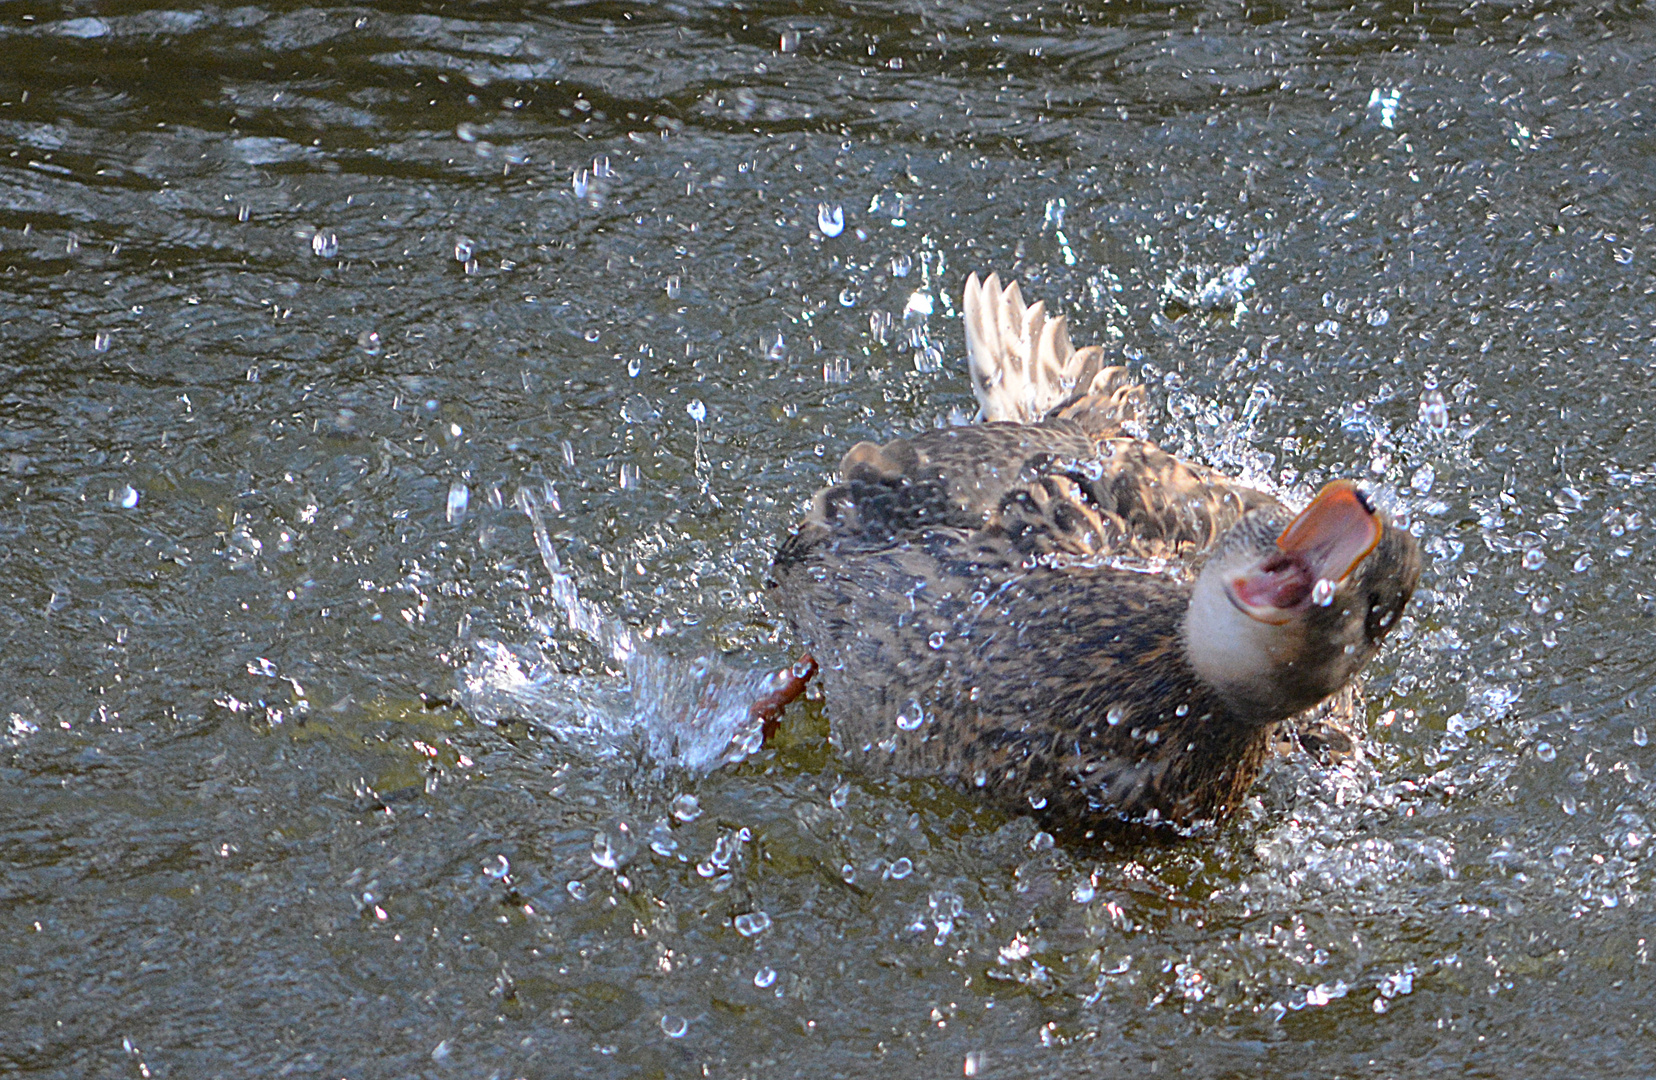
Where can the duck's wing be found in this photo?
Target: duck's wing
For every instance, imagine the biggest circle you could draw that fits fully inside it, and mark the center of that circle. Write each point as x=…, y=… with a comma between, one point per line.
x=1024, y=368
x=1033, y=490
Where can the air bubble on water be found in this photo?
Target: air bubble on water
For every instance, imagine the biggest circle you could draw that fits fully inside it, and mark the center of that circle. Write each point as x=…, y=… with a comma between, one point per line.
x=674, y=1027
x=752, y=924
x=1567, y=804
x=937, y=639
x=369, y=342
x=1583, y=562
x=1534, y=559
x=840, y=796
x=1037, y=802
x=577, y=889
x=634, y=366
x=1423, y=479
x=662, y=841
x=604, y=852
x=900, y=869
x=837, y=370
x=848, y=873
x=696, y=410
x=919, y=303
x=1322, y=593
x=1640, y=736
x=830, y=219
x=580, y=183
x=1042, y=841
x=244, y=213
x=778, y=349
x=1434, y=411
x=497, y=868
x=901, y=264
x=788, y=43
x=591, y=335
x=673, y=285
x=100, y=341
x=1084, y=891
x=912, y=717
x=1115, y=715
x=1182, y=710
x=465, y=131
x=325, y=245
x=1379, y=317
x=848, y=297
x=1544, y=750
x=686, y=808
x=127, y=497
x=765, y=977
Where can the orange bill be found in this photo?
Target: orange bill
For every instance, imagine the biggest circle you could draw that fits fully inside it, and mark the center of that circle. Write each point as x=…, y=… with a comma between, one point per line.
x=1334, y=533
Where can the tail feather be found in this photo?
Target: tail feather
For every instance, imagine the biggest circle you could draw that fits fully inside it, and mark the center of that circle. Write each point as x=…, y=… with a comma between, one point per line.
x=1024, y=367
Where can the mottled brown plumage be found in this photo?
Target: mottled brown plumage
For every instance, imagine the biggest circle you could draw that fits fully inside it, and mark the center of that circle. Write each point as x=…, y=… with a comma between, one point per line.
x=1034, y=607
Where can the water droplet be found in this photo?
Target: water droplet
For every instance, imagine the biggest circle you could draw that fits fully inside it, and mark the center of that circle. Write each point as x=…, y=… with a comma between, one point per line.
x=1115, y=716
x=673, y=286
x=1567, y=804
x=577, y=889
x=463, y=249
x=127, y=498
x=697, y=411
x=788, y=44
x=580, y=183
x=634, y=366
x=497, y=868
x=1423, y=479
x=1534, y=559
x=830, y=219
x=1042, y=841
x=369, y=342
x=1182, y=710
x=1322, y=593
x=848, y=873
x=752, y=924
x=1434, y=412
x=976, y=1062
x=1583, y=562
x=244, y=213
x=100, y=341
x=778, y=349
x=686, y=808
x=765, y=977
x=1544, y=750
x=1084, y=891
x=459, y=497
x=325, y=245
x=901, y=264
x=1640, y=736
x=674, y=1027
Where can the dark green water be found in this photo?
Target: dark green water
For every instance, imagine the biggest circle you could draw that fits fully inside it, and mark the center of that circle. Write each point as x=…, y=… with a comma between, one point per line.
x=294, y=301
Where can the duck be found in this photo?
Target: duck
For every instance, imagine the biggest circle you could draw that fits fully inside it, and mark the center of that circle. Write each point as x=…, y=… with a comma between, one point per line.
x=1048, y=611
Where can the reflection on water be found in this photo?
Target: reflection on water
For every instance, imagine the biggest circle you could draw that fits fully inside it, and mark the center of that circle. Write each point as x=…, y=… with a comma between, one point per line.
x=296, y=301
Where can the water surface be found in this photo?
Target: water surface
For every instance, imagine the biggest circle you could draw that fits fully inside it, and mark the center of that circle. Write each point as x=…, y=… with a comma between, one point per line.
x=295, y=302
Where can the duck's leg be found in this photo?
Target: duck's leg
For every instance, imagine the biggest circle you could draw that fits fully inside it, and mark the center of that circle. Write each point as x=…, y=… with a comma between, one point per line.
x=781, y=688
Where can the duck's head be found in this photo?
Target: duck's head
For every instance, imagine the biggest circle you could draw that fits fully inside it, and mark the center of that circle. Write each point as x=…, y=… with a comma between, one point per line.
x=1287, y=609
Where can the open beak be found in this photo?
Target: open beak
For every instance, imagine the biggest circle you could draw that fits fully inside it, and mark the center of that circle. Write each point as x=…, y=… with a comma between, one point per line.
x=1334, y=533
x=1324, y=543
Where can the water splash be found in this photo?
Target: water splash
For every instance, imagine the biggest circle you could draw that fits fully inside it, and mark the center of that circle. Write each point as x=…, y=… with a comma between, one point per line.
x=693, y=714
